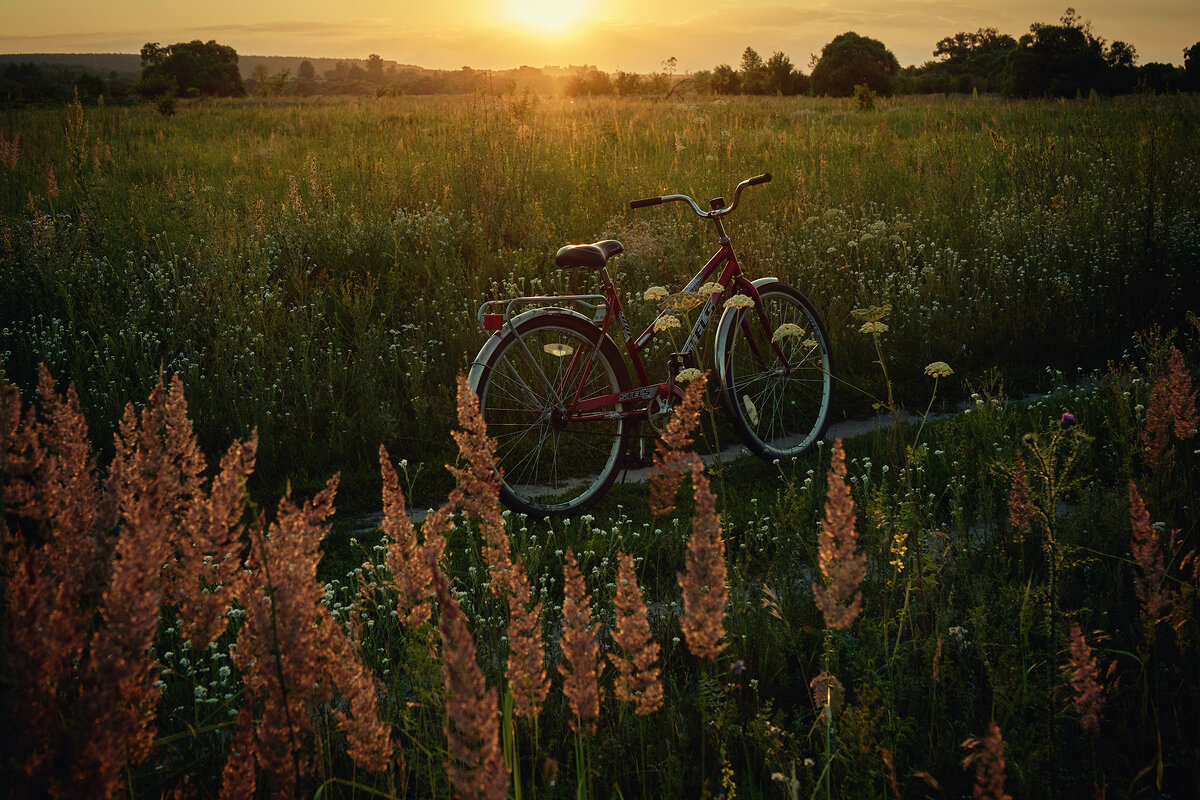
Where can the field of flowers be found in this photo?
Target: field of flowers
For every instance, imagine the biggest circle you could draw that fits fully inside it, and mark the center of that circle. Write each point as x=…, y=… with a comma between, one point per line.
x=312, y=269
x=1003, y=602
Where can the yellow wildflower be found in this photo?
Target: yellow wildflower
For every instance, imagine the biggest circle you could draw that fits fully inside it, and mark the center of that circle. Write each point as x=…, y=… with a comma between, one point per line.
x=709, y=289
x=687, y=375
x=738, y=301
x=872, y=313
x=938, y=369
x=666, y=323
x=785, y=330
x=874, y=326
x=682, y=302
x=655, y=293
x=811, y=344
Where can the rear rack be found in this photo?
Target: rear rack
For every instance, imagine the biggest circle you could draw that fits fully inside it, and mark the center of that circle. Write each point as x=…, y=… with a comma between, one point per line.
x=493, y=315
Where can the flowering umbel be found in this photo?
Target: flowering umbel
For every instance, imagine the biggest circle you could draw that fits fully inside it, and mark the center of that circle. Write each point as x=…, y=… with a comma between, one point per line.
x=842, y=566
x=580, y=648
x=703, y=580
x=637, y=679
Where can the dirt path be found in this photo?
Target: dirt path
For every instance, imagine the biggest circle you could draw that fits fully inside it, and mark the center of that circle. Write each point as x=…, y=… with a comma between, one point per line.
x=847, y=429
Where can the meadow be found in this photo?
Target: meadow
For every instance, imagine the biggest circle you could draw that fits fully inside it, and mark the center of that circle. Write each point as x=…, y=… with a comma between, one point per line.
x=312, y=269
x=1026, y=571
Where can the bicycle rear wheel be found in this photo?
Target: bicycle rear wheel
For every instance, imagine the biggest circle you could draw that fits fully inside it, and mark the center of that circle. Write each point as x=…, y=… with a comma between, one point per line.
x=550, y=461
x=779, y=407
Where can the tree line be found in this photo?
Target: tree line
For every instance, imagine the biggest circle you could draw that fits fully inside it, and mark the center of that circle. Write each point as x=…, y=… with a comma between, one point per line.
x=1062, y=59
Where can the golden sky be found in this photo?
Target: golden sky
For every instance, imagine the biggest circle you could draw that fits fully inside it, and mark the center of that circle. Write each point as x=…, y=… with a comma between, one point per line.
x=635, y=35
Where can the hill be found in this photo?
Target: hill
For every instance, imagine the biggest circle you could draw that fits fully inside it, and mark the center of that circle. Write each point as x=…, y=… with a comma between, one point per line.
x=97, y=62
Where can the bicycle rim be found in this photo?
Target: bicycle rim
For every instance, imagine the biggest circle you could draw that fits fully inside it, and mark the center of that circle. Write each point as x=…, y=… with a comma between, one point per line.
x=550, y=464
x=779, y=411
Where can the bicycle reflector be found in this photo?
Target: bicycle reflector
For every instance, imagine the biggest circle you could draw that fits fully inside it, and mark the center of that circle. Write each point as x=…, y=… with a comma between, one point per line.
x=493, y=322
x=559, y=350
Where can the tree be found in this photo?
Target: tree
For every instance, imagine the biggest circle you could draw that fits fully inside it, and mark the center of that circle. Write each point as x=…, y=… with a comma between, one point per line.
x=307, y=71
x=725, y=80
x=628, y=84
x=589, y=81
x=375, y=68
x=969, y=61
x=1191, y=65
x=753, y=72
x=1059, y=60
x=196, y=68
x=850, y=60
x=268, y=85
x=1161, y=78
x=781, y=77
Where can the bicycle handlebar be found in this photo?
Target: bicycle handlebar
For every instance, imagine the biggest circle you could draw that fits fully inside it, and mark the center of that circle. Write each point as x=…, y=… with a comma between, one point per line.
x=717, y=212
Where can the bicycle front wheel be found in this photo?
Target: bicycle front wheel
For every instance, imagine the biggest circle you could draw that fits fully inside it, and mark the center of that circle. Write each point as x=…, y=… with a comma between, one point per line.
x=553, y=459
x=776, y=387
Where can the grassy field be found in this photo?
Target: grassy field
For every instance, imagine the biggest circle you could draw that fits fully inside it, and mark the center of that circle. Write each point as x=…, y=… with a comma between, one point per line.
x=311, y=270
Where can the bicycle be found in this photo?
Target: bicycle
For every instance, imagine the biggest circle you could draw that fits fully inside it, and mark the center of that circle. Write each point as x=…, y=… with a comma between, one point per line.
x=558, y=398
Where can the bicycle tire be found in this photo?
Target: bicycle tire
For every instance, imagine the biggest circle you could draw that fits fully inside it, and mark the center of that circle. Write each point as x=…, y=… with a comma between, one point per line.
x=777, y=412
x=549, y=465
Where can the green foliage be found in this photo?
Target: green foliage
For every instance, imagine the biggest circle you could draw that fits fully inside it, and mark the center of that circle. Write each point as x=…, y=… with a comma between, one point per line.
x=207, y=68
x=1191, y=65
x=864, y=97
x=850, y=60
x=725, y=80
x=752, y=72
x=1068, y=60
x=968, y=61
x=310, y=268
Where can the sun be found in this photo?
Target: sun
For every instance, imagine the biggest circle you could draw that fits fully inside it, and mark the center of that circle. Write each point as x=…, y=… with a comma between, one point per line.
x=550, y=16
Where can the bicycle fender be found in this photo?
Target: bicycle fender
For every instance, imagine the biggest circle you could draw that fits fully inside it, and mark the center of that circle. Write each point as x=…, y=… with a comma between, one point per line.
x=725, y=330
x=495, y=340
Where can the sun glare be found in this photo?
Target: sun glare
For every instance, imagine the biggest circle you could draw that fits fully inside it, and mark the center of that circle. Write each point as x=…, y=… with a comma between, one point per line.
x=550, y=16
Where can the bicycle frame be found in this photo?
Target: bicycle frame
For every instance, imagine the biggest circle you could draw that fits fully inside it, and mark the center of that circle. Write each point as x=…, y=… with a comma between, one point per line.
x=641, y=400
x=732, y=281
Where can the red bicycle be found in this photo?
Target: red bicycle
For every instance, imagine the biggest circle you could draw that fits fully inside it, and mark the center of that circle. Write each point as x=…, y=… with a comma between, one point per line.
x=558, y=397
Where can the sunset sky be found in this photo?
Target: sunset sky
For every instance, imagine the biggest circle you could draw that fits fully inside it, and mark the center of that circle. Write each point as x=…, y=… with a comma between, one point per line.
x=633, y=35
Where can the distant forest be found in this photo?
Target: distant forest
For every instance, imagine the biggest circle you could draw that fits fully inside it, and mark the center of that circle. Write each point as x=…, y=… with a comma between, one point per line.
x=1061, y=59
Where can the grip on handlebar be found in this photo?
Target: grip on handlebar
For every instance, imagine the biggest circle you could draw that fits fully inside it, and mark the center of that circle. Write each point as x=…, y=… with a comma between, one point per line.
x=757, y=179
x=649, y=201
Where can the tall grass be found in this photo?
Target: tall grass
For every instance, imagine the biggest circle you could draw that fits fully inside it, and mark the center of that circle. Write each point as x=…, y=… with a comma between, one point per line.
x=311, y=268
x=1058, y=648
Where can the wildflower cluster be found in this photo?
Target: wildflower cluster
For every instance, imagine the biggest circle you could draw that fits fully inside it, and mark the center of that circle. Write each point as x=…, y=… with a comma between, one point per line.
x=841, y=564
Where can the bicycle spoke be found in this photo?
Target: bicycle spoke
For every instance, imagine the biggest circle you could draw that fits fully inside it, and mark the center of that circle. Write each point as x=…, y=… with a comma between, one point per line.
x=547, y=459
x=784, y=380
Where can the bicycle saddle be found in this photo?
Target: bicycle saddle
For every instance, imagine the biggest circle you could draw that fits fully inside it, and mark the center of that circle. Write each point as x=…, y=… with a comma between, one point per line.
x=590, y=256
